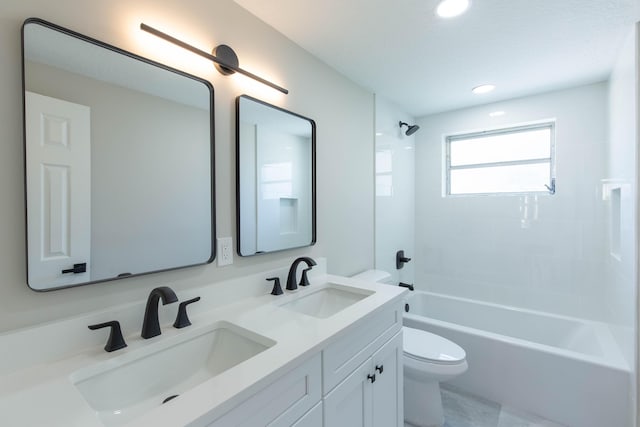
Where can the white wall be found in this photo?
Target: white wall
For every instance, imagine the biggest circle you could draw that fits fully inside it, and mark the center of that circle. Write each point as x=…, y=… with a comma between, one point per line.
x=395, y=205
x=620, y=298
x=342, y=110
x=479, y=247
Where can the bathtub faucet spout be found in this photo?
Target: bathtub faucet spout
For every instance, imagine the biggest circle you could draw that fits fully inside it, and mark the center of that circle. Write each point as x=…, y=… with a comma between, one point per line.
x=406, y=285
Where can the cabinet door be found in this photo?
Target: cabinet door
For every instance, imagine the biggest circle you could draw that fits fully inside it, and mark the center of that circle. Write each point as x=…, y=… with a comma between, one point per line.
x=387, y=391
x=349, y=404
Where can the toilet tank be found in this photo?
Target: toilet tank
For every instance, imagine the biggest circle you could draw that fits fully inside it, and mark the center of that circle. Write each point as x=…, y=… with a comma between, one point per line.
x=378, y=276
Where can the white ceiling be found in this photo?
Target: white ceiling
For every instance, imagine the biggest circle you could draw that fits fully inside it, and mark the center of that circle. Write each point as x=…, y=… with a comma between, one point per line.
x=399, y=49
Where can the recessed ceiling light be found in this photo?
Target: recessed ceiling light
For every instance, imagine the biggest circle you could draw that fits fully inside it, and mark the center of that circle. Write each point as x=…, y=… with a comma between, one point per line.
x=496, y=113
x=483, y=89
x=451, y=8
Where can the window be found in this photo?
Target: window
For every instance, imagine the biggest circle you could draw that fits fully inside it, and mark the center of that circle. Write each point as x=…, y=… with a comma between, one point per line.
x=277, y=180
x=514, y=160
x=384, y=173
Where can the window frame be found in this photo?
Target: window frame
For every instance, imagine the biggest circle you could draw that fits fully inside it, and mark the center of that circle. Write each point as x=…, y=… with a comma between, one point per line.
x=544, y=124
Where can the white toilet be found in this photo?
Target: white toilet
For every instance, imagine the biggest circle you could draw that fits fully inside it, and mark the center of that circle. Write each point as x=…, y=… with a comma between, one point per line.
x=428, y=360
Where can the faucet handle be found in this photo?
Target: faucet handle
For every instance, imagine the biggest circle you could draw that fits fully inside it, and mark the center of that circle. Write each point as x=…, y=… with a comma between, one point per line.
x=182, y=319
x=277, y=289
x=116, y=340
x=304, y=280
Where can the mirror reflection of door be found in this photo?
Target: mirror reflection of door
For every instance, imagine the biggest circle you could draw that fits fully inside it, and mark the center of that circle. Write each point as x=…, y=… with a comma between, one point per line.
x=58, y=145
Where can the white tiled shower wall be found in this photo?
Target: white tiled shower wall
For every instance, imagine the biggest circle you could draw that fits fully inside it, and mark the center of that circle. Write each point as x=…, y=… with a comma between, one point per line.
x=620, y=298
x=483, y=247
x=622, y=166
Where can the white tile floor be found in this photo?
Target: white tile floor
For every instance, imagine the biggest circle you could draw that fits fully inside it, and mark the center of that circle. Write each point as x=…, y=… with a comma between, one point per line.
x=465, y=410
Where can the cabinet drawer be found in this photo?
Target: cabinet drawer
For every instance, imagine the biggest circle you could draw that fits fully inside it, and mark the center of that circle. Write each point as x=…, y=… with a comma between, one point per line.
x=313, y=418
x=343, y=356
x=281, y=403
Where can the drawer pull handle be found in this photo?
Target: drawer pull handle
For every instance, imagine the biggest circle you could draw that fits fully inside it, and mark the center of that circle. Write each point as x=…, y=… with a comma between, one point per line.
x=380, y=368
x=371, y=378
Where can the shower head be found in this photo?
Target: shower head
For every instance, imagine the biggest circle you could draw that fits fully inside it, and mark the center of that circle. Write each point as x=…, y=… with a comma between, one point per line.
x=411, y=129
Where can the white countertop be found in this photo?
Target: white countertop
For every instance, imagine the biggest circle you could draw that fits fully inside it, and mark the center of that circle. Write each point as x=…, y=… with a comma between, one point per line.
x=44, y=394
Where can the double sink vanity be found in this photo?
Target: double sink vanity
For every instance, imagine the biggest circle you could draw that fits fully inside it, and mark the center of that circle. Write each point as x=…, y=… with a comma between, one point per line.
x=325, y=353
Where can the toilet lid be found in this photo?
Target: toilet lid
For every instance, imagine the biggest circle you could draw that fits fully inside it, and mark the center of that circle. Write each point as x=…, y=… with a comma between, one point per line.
x=423, y=345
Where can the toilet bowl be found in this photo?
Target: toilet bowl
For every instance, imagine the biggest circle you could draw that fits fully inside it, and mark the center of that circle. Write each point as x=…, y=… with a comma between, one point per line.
x=428, y=360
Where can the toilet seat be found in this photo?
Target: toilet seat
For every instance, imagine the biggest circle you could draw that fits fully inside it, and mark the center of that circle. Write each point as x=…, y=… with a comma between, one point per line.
x=424, y=346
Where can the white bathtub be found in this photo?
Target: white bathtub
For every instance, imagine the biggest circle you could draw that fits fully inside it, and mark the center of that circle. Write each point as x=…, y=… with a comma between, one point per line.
x=565, y=369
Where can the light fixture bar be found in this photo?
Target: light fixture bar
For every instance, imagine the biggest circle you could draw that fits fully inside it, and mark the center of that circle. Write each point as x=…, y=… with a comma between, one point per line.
x=193, y=49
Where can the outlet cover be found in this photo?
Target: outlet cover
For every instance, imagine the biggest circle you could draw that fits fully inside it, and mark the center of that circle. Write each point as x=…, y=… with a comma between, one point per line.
x=225, y=251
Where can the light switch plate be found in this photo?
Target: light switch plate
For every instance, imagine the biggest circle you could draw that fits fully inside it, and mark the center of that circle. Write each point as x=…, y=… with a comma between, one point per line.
x=225, y=251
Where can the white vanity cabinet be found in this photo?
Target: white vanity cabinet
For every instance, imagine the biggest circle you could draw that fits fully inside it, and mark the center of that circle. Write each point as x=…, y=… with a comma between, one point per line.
x=355, y=381
x=280, y=363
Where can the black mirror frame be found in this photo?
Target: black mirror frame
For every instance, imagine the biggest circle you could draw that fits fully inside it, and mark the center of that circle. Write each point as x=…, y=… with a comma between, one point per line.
x=134, y=56
x=313, y=174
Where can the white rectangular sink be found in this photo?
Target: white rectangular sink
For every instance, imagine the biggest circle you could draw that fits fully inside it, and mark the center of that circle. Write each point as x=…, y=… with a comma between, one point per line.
x=129, y=385
x=325, y=302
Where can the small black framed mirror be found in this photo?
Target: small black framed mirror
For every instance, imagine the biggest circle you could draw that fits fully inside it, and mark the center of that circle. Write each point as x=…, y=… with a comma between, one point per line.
x=275, y=178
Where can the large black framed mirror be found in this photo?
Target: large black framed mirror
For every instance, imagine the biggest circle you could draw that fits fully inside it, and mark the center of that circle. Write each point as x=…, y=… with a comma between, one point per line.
x=119, y=156
x=275, y=178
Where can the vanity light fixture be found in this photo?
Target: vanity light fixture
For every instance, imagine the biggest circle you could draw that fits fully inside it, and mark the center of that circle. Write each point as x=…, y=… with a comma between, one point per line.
x=223, y=57
x=452, y=8
x=479, y=90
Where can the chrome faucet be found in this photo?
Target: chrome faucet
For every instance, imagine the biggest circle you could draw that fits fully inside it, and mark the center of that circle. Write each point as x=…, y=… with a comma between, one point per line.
x=151, y=324
x=291, y=278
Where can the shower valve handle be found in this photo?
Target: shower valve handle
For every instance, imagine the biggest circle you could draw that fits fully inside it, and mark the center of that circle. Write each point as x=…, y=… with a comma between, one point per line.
x=401, y=260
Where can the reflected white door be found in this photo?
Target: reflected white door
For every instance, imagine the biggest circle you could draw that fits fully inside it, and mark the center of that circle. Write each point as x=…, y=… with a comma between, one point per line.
x=58, y=150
